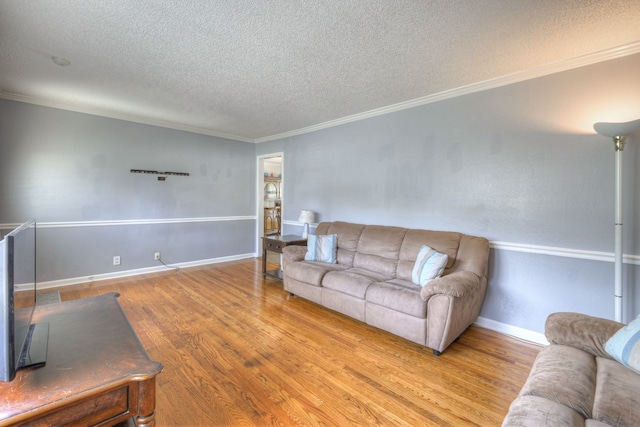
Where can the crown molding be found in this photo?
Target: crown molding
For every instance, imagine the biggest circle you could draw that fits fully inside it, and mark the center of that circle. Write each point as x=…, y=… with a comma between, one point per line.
x=516, y=77
x=119, y=116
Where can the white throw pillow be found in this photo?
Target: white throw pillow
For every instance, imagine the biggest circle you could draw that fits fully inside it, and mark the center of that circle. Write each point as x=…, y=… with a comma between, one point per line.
x=429, y=265
x=322, y=248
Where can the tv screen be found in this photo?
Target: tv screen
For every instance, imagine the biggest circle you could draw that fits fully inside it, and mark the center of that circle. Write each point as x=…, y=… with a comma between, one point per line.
x=17, y=298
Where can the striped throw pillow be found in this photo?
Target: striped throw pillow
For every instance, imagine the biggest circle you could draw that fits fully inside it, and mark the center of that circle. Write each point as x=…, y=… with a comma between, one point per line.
x=429, y=265
x=323, y=248
x=624, y=345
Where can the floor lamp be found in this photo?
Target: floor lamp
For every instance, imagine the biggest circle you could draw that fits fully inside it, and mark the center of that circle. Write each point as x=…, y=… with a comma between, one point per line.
x=618, y=132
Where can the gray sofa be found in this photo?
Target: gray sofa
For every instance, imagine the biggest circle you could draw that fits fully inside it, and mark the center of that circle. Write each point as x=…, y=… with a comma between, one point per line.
x=371, y=280
x=575, y=382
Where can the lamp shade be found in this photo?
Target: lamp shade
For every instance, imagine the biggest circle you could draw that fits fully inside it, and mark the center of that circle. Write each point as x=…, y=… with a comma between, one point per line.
x=307, y=216
x=617, y=129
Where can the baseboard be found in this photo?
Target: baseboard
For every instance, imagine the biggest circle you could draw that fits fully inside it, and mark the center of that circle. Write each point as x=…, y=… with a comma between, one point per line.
x=127, y=273
x=514, y=331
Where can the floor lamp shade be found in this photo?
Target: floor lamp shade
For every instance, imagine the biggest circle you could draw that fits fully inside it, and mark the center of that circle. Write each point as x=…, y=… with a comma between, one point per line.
x=617, y=129
x=618, y=132
x=306, y=217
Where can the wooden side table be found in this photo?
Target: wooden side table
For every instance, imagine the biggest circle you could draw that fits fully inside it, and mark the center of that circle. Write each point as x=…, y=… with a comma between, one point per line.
x=276, y=244
x=97, y=371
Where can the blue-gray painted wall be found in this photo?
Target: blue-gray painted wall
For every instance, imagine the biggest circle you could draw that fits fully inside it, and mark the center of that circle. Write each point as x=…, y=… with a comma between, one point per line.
x=515, y=164
x=71, y=170
x=512, y=164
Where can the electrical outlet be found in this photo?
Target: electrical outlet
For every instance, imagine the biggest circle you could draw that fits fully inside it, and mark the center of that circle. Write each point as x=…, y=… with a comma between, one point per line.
x=156, y=256
x=116, y=260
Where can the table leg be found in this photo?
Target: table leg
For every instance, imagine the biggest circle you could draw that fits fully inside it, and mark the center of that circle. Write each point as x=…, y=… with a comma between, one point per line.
x=146, y=403
x=264, y=259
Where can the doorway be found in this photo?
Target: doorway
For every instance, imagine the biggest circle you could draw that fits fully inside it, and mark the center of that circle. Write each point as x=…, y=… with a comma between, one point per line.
x=270, y=179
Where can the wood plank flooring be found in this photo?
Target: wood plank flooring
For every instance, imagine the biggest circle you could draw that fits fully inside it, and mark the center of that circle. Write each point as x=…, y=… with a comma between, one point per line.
x=238, y=351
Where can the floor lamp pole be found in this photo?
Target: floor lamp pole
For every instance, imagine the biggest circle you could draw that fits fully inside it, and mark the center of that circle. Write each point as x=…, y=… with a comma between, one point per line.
x=618, y=132
x=619, y=146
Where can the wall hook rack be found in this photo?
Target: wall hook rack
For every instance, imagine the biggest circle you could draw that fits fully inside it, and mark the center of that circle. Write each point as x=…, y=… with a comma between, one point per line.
x=160, y=178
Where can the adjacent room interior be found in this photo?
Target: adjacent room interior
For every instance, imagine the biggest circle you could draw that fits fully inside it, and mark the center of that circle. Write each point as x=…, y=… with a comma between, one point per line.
x=240, y=186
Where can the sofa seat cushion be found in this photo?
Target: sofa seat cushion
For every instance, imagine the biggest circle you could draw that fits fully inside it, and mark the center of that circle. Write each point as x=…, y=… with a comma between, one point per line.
x=566, y=375
x=398, y=295
x=353, y=281
x=617, y=400
x=311, y=272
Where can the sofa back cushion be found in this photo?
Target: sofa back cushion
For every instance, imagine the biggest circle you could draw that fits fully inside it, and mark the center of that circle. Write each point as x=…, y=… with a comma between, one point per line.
x=392, y=251
x=379, y=248
x=348, y=237
x=445, y=242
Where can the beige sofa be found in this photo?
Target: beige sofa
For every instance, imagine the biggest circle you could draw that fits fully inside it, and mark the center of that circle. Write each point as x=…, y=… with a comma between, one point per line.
x=575, y=382
x=371, y=280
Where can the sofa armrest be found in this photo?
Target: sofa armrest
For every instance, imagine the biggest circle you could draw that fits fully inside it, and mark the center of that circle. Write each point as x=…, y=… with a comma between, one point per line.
x=455, y=284
x=581, y=331
x=292, y=253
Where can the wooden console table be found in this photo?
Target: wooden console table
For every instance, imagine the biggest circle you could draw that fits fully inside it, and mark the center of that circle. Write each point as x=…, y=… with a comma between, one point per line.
x=276, y=244
x=97, y=372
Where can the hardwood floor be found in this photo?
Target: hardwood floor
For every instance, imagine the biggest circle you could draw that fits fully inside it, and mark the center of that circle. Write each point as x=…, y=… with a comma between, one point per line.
x=237, y=351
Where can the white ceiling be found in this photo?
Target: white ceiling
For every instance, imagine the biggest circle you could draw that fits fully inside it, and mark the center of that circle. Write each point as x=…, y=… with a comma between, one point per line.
x=255, y=70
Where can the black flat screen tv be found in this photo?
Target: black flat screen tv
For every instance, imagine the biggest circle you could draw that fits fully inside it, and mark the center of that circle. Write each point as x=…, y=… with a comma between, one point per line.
x=22, y=344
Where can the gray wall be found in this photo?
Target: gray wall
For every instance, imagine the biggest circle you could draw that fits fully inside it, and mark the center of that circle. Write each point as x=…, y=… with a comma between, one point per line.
x=520, y=165
x=71, y=172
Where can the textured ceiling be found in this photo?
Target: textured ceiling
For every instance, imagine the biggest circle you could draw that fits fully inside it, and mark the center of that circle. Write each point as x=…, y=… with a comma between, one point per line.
x=254, y=69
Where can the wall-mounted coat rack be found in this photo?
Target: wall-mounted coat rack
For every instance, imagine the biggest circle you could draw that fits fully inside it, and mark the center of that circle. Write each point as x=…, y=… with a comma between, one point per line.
x=160, y=178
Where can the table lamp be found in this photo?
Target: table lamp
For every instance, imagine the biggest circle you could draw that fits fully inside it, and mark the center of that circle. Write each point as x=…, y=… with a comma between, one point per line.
x=306, y=217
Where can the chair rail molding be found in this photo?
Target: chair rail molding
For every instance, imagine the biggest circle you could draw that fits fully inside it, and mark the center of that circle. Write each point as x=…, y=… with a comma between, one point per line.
x=117, y=222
